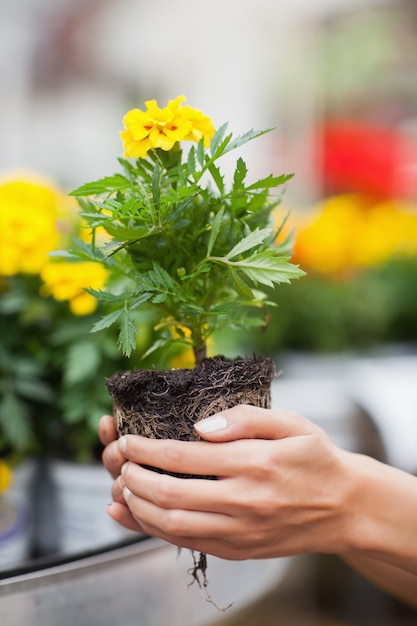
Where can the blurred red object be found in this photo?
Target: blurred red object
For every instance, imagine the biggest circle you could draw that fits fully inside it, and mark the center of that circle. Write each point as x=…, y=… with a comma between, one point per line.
x=357, y=156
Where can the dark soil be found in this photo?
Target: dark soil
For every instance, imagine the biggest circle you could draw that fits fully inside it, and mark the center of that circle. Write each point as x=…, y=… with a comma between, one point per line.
x=167, y=404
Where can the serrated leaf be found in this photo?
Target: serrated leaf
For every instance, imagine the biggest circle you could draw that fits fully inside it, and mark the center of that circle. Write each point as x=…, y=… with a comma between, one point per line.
x=240, y=173
x=128, y=234
x=191, y=160
x=108, y=183
x=159, y=343
x=106, y=321
x=200, y=152
x=267, y=268
x=245, y=138
x=241, y=287
x=253, y=239
x=104, y=296
x=217, y=177
x=159, y=298
x=215, y=229
x=217, y=138
x=270, y=181
x=127, y=334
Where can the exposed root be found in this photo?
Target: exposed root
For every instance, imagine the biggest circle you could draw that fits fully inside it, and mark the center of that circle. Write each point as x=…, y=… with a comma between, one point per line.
x=199, y=575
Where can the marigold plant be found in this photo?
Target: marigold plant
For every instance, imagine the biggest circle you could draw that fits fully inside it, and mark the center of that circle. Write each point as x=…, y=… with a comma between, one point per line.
x=348, y=233
x=28, y=225
x=51, y=368
x=195, y=249
x=68, y=281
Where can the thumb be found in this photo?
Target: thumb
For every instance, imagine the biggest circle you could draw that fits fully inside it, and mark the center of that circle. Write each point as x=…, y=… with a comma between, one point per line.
x=249, y=422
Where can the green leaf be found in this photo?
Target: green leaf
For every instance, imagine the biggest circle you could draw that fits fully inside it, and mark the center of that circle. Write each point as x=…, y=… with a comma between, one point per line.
x=34, y=390
x=217, y=177
x=240, y=174
x=127, y=334
x=267, y=268
x=270, y=181
x=14, y=422
x=108, y=183
x=104, y=296
x=82, y=362
x=200, y=152
x=160, y=297
x=245, y=138
x=253, y=239
x=128, y=234
x=241, y=287
x=106, y=321
x=217, y=139
x=215, y=229
x=191, y=160
x=159, y=343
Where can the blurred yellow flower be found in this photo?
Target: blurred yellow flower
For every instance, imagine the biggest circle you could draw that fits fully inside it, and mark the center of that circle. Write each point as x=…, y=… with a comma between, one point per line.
x=5, y=476
x=162, y=128
x=346, y=233
x=68, y=281
x=29, y=224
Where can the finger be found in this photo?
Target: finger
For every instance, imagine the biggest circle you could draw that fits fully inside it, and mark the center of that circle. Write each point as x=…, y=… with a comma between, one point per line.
x=170, y=492
x=249, y=422
x=113, y=459
x=117, y=490
x=178, y=522
x=121, y=514
x=185, y=457
x=107, y=429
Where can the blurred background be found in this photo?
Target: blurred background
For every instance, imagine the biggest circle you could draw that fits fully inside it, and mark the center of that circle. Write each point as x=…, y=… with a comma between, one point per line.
x=337, y=79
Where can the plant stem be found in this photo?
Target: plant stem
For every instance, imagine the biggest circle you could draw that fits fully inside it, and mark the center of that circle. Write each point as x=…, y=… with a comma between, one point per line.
x=200, y=353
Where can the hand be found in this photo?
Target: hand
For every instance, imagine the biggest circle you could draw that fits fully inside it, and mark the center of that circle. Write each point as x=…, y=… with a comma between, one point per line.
x=113, y=461
x=282, y=486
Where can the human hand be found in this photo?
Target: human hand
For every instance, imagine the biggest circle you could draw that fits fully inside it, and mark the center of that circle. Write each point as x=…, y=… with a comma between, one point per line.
x=282, y=487
x=113, y=461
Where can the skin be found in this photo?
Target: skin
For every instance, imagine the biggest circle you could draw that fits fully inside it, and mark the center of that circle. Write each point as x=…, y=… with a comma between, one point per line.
x=284, y=488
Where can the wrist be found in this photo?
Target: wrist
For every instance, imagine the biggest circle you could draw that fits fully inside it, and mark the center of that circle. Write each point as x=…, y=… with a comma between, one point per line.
x=381, y=512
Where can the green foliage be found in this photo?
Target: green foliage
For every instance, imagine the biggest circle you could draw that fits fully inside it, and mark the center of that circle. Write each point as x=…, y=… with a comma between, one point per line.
x=375, y=307
x=52, y=370
x=183, y=243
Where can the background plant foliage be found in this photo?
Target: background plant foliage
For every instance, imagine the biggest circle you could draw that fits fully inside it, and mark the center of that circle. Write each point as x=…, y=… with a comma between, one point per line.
x=52, y=369
x=182, y=242
x=360, y=291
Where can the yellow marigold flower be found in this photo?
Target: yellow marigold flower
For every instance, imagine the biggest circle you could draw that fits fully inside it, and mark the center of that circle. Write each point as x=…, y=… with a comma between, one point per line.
x=388, y=229
x=346, y=234
x=5, y=476
x=162, y=128
x=29, y=213
x=68, y=281
x=326, y=242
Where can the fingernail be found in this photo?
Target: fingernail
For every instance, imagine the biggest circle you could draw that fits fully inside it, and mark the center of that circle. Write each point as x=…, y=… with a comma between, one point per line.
x=126, y=493
x=122, y=443
x=211, y=424
x=123, y=468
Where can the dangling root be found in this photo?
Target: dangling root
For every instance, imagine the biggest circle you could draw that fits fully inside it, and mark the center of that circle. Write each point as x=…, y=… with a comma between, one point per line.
x=199, y=575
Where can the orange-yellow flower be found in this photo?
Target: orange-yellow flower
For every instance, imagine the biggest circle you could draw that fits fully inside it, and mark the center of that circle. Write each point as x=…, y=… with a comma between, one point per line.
x=162, y=128
x=33, y=219
x=346, y=234
x=68, y=281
